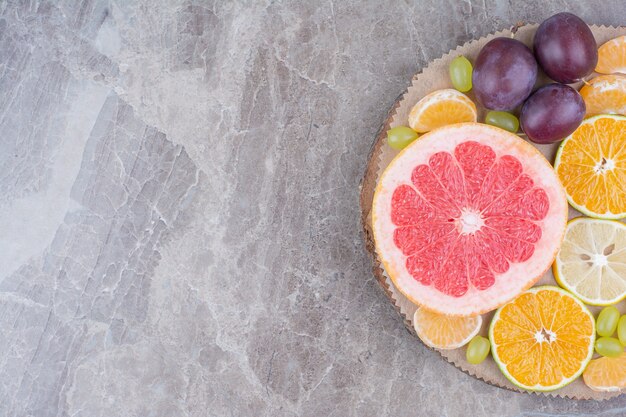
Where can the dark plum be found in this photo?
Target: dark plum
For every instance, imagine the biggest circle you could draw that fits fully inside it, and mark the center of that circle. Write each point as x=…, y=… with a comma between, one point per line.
x=504, y=74
x=565, y=48
x=552, y=113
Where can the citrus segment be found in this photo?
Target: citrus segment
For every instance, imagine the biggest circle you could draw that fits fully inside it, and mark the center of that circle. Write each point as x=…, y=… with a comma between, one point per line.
x=445, y=332
x=605, y=94
x=441, y=108
x=592, y=261
x=591, y=164
x=466, y=218
x=543, y=339
x=612, y=56
x=606, y=374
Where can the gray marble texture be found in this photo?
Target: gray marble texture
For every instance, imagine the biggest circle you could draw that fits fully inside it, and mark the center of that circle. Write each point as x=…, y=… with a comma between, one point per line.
x=179, y=221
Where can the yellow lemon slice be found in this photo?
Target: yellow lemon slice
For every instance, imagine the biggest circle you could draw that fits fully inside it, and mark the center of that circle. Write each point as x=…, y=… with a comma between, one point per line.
x=592, y=261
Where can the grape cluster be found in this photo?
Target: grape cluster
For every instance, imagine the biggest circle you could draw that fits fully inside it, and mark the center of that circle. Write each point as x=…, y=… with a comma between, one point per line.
x=607, y=323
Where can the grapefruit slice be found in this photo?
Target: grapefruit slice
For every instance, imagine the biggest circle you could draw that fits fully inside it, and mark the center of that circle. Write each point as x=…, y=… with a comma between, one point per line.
x=467, y=217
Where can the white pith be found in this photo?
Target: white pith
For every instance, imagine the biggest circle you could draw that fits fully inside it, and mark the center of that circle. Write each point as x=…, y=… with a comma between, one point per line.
x=545, y=336
x=604, y=165
x=469, y=222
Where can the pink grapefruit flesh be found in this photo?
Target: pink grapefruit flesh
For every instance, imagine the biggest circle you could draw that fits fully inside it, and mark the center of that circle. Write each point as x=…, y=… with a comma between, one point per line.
x=467, y=217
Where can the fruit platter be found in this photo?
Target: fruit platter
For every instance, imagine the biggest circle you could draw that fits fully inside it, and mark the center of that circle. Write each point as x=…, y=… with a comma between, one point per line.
x=493, y=207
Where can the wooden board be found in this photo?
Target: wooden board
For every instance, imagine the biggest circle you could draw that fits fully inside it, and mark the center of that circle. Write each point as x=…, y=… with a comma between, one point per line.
x=434, y=76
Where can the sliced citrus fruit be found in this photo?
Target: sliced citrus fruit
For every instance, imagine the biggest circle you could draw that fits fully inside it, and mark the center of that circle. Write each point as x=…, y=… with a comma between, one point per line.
x=592, y=261
x=612, y=57
x=441, y=108
x=606, y=374
x=467, y=217
x=605, y=94
x=591, y=164
x=543, y=339
x=445, y=332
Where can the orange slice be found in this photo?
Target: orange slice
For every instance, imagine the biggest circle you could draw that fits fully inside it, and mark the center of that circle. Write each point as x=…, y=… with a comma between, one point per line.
x=605, y=94
x=606, y=374
x=441, y=108
x=612, y=57
x=591, y=164
x=542, y=340
x=445, y=332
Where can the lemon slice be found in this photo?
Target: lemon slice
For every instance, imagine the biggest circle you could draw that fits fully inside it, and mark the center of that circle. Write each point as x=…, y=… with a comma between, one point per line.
x=592, y=261
x=445, y=332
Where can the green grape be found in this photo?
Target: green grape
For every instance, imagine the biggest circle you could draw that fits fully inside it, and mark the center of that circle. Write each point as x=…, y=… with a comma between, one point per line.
x=461, y=74
x=503, y=120
x=621, y=330
x=400, y=137
x=607, y=321
x=477, y=350
x=609, y=346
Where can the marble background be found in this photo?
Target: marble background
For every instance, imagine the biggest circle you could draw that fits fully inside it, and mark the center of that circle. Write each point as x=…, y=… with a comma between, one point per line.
x=179, y=221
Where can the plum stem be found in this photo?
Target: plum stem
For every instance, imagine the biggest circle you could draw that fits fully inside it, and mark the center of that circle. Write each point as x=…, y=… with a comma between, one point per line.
x=516, y=27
